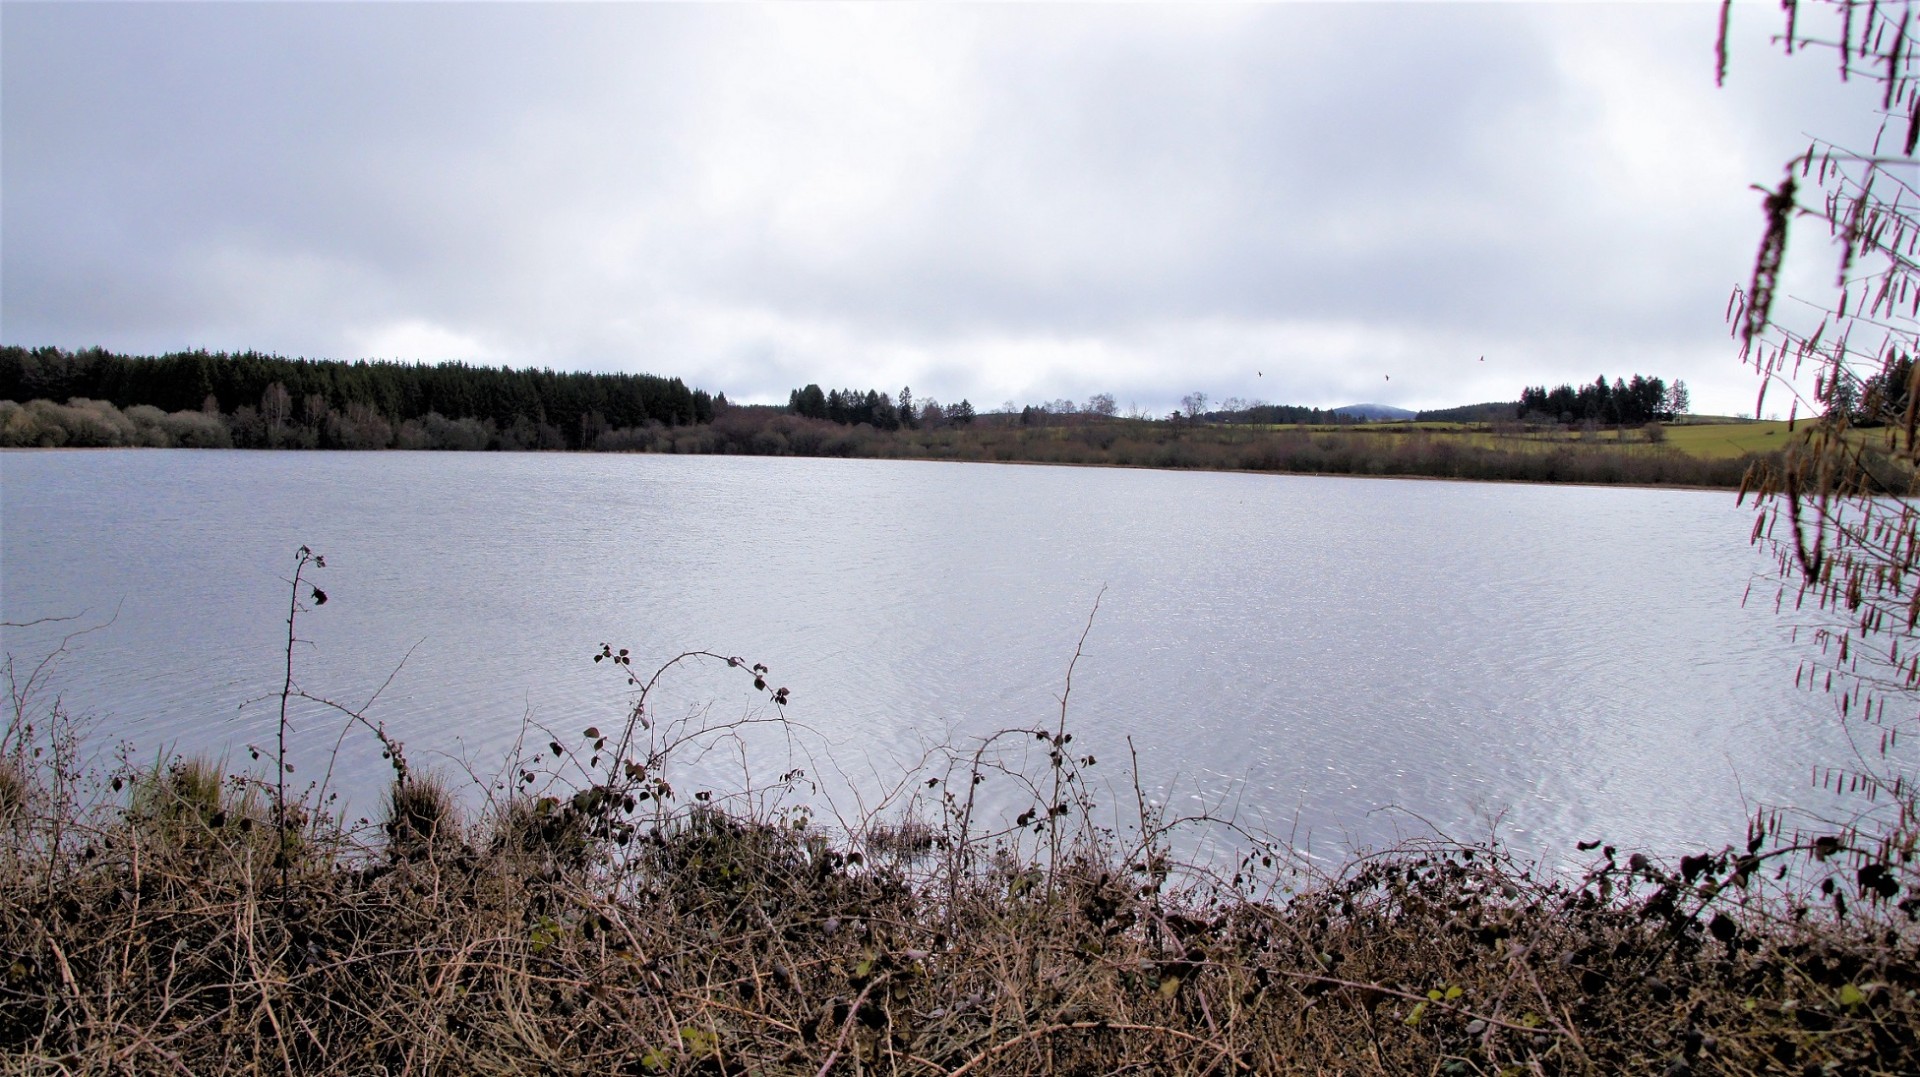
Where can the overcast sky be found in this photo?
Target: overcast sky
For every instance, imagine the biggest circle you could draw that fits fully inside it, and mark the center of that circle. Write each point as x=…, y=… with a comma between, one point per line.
x=1302, y=203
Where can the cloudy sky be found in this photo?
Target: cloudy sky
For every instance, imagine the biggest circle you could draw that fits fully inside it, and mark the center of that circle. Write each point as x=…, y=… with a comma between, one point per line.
x=1302, y=203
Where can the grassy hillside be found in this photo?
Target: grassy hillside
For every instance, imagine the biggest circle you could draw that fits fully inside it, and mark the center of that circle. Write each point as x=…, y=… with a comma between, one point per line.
x=1720, y=441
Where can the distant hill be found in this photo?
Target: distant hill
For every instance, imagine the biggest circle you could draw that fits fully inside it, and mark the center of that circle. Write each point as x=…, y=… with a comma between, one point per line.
x=1493, y=411
x=1374, y=412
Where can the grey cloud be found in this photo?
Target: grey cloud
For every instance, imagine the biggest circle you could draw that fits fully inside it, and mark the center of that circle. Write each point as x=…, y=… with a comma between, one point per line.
x=982, y=201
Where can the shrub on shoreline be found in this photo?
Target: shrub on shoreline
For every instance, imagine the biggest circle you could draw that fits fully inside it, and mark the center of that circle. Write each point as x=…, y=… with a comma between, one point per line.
x=84, y=423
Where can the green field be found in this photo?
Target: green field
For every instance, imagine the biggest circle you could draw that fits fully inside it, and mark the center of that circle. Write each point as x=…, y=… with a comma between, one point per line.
x=1713, y=439
x=1723, y=440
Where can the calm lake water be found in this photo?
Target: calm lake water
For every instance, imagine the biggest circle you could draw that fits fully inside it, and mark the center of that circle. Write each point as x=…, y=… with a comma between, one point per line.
x=1342, y=660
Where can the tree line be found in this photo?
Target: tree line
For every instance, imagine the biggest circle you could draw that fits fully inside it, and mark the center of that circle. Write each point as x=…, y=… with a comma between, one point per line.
x=1493, y=411
x=852, y=407
x=321, y=403
x=1632, y=402
x=1276, y=414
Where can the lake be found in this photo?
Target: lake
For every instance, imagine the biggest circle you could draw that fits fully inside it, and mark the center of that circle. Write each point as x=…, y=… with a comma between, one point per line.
x=1339, y=660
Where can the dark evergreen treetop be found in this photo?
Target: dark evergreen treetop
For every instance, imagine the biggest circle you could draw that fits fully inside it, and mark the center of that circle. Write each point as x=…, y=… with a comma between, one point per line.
x=1626, y=403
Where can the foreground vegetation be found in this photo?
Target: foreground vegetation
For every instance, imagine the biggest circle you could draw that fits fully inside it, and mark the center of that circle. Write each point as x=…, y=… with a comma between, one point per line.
x=162, y=936
x=731, y=945
x=592, y=918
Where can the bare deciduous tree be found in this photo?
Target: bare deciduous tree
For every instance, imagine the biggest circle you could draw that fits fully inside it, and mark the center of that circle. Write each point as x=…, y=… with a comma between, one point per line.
x=1679, y=401
x=276, y=406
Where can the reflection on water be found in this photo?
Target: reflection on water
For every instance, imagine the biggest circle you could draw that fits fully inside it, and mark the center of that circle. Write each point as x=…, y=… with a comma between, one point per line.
x=1337, y=659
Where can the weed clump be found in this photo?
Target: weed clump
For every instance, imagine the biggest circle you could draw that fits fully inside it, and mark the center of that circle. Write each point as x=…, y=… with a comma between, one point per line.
x=191, y=807
x=421, y=814
x=13, y=791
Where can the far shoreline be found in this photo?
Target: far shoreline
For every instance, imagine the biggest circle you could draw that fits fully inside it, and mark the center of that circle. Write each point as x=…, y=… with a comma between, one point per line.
x=1094, y=464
